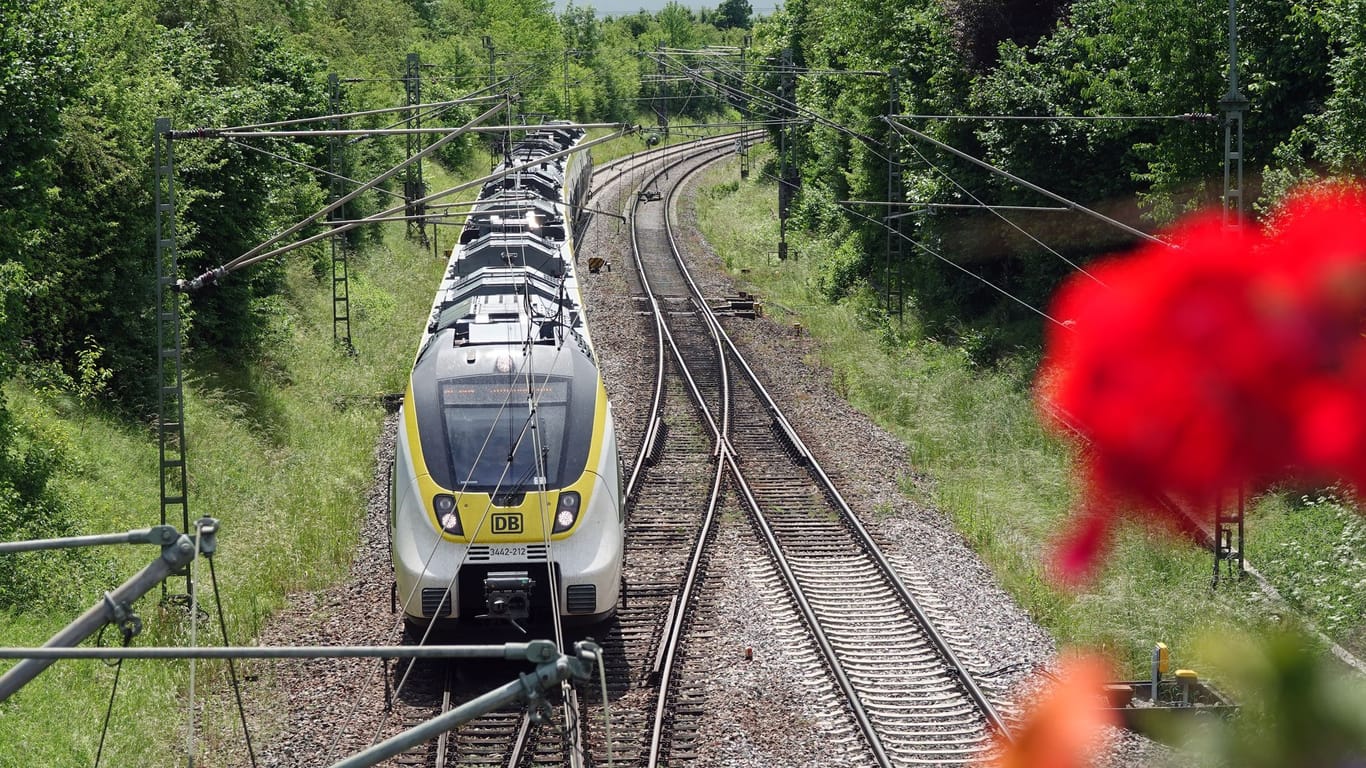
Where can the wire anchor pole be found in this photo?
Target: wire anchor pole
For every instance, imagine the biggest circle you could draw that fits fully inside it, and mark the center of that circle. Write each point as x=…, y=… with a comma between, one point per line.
x=1228, y=524
x=487, y=42
x=414, y=188
x=1234, y=105
x=742, y=144
x=662, y=105
x=893, y=297
x=564, y=102
x=341, y=287
x=787, y=176
x=170, y=374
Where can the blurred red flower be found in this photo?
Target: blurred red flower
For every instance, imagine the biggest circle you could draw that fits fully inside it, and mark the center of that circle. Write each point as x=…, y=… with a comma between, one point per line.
x=1063, y=727
x=1232, y=359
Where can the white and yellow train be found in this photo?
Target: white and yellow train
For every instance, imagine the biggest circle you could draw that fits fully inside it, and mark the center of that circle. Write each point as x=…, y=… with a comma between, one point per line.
x=506, y=500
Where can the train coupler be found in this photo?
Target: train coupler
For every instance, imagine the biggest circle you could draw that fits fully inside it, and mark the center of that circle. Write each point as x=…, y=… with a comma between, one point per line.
x=507, y=595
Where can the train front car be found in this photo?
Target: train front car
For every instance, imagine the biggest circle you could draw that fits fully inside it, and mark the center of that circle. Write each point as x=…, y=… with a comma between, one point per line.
x=506, y=500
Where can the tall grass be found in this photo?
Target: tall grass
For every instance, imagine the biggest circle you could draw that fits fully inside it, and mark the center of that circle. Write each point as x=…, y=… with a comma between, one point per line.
x=1002, y=480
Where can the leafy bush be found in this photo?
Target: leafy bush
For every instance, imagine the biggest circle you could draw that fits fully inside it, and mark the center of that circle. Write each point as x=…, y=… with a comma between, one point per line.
x=31, y=454
x=842, y=271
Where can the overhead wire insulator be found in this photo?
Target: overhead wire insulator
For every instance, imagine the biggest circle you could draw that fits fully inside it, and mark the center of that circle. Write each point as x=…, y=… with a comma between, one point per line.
x=195, y=283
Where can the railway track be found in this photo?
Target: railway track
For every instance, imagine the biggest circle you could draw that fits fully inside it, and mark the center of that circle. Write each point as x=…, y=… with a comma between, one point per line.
x=714, y=440
x=509, y=737
x=505, y=737
x=428, y=692
x=671, y=479
x=914, y=701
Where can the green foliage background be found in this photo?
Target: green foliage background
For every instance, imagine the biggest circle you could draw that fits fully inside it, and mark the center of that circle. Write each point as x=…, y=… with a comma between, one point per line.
x=1303, y=70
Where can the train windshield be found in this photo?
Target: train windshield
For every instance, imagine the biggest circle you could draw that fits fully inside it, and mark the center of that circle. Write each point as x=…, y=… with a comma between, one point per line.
x=499, y=440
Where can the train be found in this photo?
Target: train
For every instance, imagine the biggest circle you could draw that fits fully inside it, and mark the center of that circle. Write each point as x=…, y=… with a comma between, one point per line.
x=506, y=502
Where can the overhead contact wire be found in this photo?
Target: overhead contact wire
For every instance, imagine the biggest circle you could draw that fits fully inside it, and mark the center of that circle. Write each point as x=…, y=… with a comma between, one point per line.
x=306, y=166
x=1006, y=219
x=247, y=258
x=335, y=230
x=365, y=113
x=440, y=539
x=483, y=518
x=902, y=128
x=772, y=100
x=964, y=270
x=538, y=458
x=526, y=369
x=487, y=509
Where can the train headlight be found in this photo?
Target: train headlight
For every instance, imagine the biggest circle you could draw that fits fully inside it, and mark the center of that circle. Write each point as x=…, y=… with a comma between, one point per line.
x=566, y=511
x=446, y=513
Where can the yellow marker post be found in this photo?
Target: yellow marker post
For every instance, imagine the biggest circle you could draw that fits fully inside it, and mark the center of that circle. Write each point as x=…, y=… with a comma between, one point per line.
x=1161, y=662
x=1186, y=679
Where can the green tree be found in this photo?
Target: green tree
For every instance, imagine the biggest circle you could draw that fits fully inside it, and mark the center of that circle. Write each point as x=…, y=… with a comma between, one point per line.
x=676, y=26
x=1344, y=114
x=40, y=71
x=980, y=26
x=733, y=14
x=1332, y=140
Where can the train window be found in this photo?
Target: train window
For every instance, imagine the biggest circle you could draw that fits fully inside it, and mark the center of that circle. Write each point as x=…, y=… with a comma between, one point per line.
x=489, y=429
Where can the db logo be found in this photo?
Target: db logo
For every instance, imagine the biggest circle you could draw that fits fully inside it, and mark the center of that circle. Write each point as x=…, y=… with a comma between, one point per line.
x=507, y=522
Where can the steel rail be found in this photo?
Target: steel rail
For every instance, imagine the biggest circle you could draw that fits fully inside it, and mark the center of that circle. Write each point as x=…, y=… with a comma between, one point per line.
x=974, y=691
x=524, y=735
x=655, y=418
x=520, y=741
x=647, y=156
x=674, y=621
x=851, y=520
x=727, y=455
x=672, y=632
x=688, y=378
x=813, y=622
x=443, y=740
x=989, y=711
x=527, y=686
x=520, y=746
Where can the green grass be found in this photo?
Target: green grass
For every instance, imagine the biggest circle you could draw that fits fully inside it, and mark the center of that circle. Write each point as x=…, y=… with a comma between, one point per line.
x=281, y=454
x=1313, y=548
x=1006, y=484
